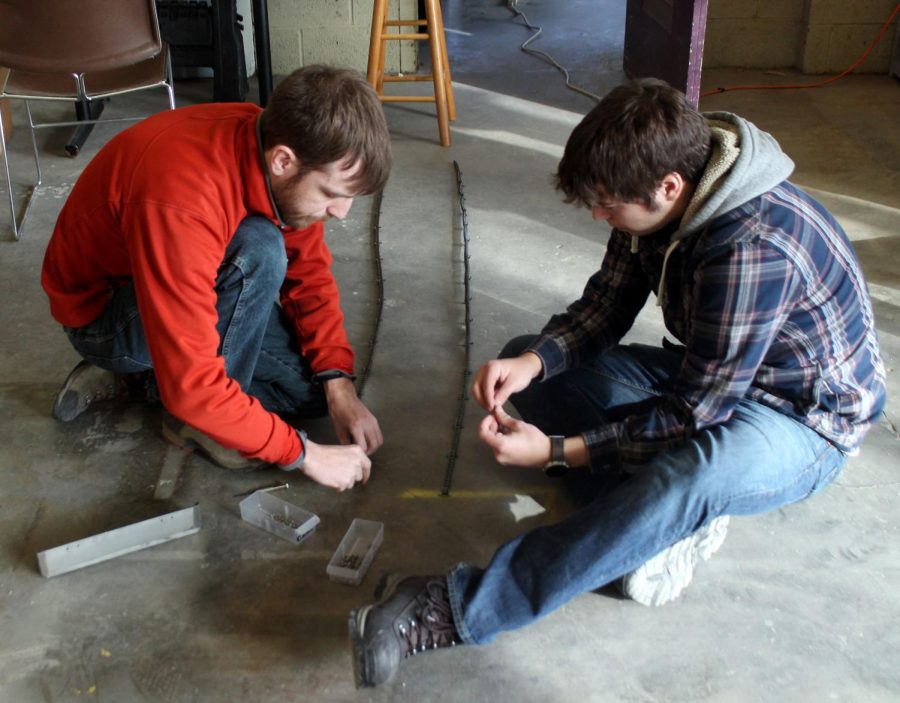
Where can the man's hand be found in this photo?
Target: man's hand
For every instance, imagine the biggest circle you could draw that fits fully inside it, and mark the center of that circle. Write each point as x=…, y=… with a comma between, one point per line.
x=500, y=378
x=513, y=441
x=335, y=466
x=353, y=422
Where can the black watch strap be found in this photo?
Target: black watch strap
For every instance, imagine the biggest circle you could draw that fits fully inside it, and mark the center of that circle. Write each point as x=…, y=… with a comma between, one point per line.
x=331, y=374
x=557, y=465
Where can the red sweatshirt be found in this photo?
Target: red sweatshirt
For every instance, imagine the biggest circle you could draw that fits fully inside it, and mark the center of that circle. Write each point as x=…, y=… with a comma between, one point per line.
x=159, y=204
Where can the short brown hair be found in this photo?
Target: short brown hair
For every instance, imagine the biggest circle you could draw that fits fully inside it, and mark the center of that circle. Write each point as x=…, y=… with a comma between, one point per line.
x=639, y=132
x=325, y=114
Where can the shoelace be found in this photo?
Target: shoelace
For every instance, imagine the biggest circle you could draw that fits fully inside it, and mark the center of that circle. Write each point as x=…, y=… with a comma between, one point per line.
x=431, y=626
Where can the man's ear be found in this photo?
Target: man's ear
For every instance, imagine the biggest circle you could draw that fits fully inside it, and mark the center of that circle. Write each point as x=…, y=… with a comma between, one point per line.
x=672, y=186
x=282, y=161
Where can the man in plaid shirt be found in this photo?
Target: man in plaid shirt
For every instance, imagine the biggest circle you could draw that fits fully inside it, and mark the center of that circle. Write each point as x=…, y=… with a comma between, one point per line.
x=775, y=379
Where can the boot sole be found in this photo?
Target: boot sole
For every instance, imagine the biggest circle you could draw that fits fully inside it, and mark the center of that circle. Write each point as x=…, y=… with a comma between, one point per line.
x=66, y=406
x=356, y=626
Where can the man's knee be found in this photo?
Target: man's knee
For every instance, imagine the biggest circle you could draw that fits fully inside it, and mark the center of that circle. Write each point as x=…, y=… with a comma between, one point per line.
x=257, y=248
x=516, y=346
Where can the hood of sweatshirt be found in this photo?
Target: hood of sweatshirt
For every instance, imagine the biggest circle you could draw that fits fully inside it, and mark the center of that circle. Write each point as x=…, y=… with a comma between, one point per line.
x=745, y=162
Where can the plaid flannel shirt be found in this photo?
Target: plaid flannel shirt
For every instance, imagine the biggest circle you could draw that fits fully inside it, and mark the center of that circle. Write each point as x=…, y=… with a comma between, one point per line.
x=771, y=305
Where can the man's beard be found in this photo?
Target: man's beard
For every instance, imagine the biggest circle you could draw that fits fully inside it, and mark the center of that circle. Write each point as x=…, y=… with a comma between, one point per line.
x=300, y=221
x=293, y=217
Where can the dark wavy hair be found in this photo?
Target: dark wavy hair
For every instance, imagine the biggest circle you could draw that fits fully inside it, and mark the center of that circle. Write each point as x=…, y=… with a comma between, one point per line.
x=622, y=149
x=325, y=114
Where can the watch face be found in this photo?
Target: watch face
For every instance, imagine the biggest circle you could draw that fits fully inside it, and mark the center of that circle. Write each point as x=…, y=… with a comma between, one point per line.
x=556, y=470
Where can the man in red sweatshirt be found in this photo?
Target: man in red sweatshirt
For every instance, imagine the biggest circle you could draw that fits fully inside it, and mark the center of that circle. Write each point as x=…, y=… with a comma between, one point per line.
x=193, y=246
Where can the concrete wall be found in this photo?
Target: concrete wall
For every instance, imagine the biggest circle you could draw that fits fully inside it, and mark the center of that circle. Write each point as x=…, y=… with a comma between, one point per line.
x=334, y=32
x=815, y=36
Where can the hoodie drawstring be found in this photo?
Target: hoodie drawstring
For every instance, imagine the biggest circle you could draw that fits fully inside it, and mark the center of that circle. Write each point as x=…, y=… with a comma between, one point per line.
x=662, y=276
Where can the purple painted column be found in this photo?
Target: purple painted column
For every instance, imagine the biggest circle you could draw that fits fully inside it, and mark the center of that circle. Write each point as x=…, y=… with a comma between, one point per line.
x=664, y=39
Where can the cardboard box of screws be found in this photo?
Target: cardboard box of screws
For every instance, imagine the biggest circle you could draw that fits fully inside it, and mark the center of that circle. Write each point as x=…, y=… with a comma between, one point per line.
x=356, y=551
x=278, y=517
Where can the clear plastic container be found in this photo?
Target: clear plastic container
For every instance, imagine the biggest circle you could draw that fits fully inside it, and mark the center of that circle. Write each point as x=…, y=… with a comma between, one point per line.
x=356, y=551
x=278, y=517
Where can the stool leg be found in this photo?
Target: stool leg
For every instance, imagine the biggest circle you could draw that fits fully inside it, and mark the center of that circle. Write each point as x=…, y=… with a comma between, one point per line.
x=381, y=60
x=432, y=13
x=451, y=103
x=375, y=72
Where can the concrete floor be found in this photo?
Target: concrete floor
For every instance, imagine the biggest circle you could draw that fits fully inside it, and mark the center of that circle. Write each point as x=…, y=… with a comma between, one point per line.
x=799, y=605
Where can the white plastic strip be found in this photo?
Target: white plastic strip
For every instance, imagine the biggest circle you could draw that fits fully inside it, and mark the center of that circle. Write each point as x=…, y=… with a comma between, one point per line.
x=122, y=540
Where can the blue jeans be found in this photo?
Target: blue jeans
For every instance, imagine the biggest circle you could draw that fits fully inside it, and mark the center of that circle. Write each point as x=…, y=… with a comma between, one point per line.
x=255, y=337
x=757, y=461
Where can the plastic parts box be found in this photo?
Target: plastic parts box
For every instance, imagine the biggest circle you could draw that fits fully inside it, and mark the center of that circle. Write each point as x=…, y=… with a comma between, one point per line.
x=356, y=551
x=279, y=517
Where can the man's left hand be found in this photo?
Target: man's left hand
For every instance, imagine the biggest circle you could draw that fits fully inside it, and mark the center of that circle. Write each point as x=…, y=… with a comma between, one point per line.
x=352, y=420
x=513, y=441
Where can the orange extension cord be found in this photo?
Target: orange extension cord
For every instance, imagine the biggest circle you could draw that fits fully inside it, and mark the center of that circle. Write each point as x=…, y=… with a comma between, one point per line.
x=850, y=70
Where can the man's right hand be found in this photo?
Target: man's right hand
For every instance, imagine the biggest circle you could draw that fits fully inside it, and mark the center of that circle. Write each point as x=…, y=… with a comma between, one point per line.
x=336, y=466
x=500, y=378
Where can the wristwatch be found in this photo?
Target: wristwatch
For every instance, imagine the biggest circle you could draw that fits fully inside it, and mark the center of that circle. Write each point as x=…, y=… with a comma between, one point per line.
x=331, y=374
x=298, y=462
x=557, y=465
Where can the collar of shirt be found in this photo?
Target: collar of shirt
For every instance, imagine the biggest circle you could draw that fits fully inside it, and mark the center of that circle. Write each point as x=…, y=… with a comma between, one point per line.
x=265, y=170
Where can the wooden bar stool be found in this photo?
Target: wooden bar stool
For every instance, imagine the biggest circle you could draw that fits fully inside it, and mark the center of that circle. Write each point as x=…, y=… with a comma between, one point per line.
x=440, y=66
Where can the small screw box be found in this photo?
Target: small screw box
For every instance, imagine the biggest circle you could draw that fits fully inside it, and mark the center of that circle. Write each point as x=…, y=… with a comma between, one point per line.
x=278, y=517
x=356, y=551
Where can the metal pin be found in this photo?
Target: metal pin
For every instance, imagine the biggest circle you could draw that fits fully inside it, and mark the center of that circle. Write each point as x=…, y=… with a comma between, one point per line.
x=269, y=487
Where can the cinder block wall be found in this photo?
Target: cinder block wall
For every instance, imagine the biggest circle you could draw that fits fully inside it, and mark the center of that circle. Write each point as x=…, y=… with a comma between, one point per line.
x=335, y=32
x=754, y=33
x=838, y=31
x=814, y=36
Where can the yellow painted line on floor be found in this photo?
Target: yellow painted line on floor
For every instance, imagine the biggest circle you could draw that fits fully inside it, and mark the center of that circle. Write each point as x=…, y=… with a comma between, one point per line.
x=419, y=493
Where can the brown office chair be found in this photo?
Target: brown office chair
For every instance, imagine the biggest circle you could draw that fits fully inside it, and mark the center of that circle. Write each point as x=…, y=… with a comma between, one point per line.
x=80, y=51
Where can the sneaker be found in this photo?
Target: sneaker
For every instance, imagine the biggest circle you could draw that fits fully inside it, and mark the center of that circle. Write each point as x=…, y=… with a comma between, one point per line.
x=665, y=576
x=85, y=385
x=412, y=615
x=188, y=438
